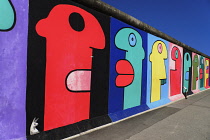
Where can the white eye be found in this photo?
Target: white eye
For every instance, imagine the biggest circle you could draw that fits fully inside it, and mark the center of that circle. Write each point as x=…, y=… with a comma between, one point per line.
x=132, y=40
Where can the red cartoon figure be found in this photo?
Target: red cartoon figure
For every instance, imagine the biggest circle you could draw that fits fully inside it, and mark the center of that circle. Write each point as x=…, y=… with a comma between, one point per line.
x=175, y=74
x=71, y=35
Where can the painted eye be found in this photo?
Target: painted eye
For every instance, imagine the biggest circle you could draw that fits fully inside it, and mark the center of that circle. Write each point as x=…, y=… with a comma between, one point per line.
x=176, y=54
x=132, y=40
x=160, y=48
x=187, y=57
x=77, y=22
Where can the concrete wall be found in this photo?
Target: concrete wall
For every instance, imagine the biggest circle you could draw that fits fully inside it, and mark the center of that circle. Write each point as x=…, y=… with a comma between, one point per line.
x=72, y=68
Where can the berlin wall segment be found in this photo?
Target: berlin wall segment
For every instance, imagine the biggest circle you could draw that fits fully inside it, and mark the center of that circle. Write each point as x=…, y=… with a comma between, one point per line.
x=72, y=68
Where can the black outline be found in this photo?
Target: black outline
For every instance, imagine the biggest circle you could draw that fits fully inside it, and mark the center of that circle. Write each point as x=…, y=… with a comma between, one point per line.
x=13, y=25
x=70, y=73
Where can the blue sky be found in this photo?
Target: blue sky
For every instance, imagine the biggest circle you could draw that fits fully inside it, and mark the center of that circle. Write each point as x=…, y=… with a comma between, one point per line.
x=185, y=20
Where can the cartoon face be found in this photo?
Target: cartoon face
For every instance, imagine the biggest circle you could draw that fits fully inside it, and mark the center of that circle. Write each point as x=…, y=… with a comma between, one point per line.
x=186, y=71
x=187, y=65
x=206, y=72
x=175, y=74
x=130, y=70
x=176, y=55
x=159, y=53
x=201, y=71
x=71, y=35
x=195, y=65
x=158, y=69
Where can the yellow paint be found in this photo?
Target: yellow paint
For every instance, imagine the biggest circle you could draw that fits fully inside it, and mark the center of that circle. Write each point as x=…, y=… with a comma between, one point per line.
x=206, y=74
x=158, y=69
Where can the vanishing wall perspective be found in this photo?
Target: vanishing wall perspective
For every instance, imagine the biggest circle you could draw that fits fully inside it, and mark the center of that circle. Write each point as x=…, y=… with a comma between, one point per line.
x=70, y=65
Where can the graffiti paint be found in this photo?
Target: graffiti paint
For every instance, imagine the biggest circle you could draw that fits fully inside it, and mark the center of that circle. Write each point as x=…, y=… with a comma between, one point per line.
x=130, y=41
x=127, y=69
x=82, y=69
x=70, y=72
x=201, y=73
x=195, y=72
x=175, y=65
x=206, y=70
x=157, y=81
x=187, y=72
x=157, y=57
x=73, y=63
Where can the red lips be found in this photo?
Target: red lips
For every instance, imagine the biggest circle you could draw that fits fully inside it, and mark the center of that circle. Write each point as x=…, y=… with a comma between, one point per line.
x=125, y=73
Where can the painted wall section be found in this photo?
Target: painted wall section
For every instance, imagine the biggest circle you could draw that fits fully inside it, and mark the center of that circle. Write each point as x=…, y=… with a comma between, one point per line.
x=68, y=58
x=195, y=72
x=187, y=72
x=157, y=57
x=127, y=70
x=13, y=58
x=71, y=68
x=157, y=72
x=206, y=72
x=175, y=66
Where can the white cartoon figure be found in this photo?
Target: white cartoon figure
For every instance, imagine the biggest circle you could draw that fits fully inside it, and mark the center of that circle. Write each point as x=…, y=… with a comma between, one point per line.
x=33, y=129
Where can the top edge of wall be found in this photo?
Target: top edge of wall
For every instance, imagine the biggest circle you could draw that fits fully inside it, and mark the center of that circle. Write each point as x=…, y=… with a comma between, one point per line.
x=109, y=10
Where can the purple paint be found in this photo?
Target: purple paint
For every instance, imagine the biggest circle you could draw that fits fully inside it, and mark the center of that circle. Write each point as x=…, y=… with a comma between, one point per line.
x=13, y=54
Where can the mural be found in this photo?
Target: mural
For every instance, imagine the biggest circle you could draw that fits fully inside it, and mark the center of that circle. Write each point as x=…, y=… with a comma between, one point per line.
x=175, y=58
x=206, y=72
x=201, y=73
x=195, y=73
x=157, y=81
x=187, y=72
x=65, y=65
x=71, y=69
x=127, y=70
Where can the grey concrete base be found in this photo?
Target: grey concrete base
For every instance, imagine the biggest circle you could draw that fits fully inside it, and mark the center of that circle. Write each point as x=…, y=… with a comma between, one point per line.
x=187, y=119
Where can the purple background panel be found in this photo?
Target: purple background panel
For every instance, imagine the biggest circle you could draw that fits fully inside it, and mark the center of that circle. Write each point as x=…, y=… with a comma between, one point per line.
x=13, y=48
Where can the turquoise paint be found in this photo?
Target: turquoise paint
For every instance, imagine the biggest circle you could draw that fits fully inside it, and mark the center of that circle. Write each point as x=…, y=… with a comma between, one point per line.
x=130, y=40
x=187, y=66
x=7, y=15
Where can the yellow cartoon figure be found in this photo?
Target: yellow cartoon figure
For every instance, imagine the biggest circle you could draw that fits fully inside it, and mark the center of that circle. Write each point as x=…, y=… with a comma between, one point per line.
x=158, y=69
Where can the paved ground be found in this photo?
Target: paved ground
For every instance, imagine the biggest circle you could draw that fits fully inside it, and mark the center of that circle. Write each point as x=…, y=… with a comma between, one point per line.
x=183, y=120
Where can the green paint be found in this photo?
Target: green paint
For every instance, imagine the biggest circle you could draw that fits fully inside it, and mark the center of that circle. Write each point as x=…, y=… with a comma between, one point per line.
x=130, y=40
x=187, y=66
x=7, y=15
x=195, y=71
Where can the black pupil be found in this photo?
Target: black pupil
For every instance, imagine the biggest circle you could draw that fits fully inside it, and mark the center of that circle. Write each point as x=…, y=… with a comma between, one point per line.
x=187, y=57
x=76, y=21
